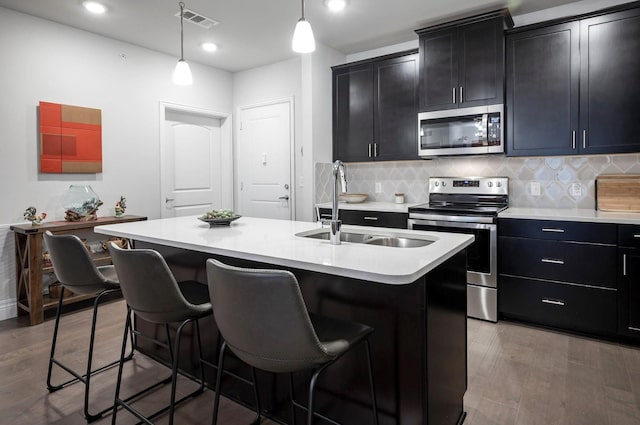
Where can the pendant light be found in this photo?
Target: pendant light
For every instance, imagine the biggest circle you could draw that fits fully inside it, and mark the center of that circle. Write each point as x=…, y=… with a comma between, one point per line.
x=182, y=74
x=303, y=41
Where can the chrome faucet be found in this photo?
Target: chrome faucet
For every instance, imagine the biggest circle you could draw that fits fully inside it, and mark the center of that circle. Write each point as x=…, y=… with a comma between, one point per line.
x=339, y=176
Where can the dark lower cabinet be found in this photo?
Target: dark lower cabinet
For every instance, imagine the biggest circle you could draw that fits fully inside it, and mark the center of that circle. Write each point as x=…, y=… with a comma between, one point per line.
x=575, y=307
x=375, y=105
x=560, y=274
x=369, y=218
x=629, y=281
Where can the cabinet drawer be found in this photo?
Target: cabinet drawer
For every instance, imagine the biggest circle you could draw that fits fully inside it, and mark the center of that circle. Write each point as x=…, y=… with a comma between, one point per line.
x=629, y=236
x=556, y=304
x=369, y=218
x=560, y=261
x=375, y=218
x=558, y=230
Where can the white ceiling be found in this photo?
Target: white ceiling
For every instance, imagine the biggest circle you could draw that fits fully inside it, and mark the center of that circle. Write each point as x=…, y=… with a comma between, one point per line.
x=258, y=32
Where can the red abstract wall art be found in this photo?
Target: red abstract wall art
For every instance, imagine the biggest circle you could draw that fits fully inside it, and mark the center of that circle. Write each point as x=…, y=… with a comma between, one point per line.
x=70, y=139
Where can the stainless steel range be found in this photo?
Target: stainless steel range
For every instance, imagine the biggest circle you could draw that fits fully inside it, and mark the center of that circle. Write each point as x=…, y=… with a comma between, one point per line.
x=469, y=205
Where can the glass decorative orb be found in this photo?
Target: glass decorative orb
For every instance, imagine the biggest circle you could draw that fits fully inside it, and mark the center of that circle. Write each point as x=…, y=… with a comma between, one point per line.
x=80, y=201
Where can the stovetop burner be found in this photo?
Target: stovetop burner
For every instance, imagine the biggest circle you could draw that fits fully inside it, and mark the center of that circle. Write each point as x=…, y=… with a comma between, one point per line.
x=466, y=196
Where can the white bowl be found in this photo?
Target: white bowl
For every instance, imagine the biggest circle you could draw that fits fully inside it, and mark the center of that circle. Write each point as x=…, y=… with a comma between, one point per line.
x=353, y=198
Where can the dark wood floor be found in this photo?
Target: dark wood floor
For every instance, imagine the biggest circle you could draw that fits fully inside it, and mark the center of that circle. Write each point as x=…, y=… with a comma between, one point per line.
x=517, y=375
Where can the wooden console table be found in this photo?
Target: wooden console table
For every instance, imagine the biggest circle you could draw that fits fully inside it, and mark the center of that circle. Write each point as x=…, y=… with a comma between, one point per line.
x=30, y=267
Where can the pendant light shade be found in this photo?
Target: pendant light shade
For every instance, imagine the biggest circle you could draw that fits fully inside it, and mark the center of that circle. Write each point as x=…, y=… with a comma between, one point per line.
x=182, y=74
x=303, y=41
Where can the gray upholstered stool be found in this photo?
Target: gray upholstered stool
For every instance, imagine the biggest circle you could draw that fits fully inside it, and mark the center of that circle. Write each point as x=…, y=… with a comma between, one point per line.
x=152, y=293
x=263, y=320
x=76, y=271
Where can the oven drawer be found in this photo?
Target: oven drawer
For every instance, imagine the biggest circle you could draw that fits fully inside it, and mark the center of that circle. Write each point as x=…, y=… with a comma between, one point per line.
x=558, y=230
x=560, y=261
x=561, y=305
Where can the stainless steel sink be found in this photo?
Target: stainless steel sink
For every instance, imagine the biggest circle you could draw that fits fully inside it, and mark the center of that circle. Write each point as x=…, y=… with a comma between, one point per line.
x=370, y=239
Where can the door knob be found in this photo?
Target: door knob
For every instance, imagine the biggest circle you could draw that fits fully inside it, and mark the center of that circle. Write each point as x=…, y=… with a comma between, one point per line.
x=167, y=200
x=285, y=197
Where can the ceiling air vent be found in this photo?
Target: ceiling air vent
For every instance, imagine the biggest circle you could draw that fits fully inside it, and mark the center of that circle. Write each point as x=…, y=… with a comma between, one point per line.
x=198, y=19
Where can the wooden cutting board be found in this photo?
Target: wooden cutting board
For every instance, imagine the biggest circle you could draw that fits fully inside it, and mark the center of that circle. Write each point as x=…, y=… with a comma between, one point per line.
x=618, y=192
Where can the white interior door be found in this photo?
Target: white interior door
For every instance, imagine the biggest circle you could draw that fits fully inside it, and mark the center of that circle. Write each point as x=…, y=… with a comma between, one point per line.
x=265, y=141
x=191, y=168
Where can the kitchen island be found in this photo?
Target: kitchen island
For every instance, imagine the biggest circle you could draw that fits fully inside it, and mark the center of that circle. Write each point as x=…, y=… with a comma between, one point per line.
x=415, y=298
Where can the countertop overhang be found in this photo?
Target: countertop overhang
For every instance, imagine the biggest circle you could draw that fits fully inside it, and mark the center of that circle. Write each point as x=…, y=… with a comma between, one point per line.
x=275, y=242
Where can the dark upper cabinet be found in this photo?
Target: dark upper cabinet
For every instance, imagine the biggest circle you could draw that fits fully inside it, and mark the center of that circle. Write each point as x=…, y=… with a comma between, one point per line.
x=572, y=87
x=542, y=91
x=610, y=83
x=462, y=63
x=353, y=113
x=375, y=109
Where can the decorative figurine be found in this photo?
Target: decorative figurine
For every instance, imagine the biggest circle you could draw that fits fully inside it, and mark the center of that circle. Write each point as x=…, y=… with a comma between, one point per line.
x=121, y=206
x=30, y=215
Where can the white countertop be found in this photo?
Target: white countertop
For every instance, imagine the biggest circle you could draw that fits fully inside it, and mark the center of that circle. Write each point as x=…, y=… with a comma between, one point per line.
x=561, y=214
x=371, y=206
x=274, y=242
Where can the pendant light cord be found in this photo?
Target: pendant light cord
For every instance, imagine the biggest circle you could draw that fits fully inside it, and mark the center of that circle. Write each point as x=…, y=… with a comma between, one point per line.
x=181, y=4
x=303, y=10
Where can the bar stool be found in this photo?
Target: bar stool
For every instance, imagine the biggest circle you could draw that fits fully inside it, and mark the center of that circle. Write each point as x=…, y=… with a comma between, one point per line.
x=76, y=271
x=153, y=294
x=263, y=320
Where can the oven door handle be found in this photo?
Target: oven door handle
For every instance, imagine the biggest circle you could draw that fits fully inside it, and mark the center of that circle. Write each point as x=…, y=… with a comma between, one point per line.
x=456, y=224
x=441, y=218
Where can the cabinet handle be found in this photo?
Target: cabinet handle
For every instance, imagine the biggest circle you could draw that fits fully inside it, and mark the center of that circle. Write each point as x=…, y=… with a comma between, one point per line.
x=375, y=150
x=454, y=95
x=552, y=261
x=371, y=218
x=637, y=236
x=624, y=264
x=631, y=328
x=554, y=302
x=552, y=230
x=369, y=154
x=460, y=94
x=584, y=139
x=573, y=139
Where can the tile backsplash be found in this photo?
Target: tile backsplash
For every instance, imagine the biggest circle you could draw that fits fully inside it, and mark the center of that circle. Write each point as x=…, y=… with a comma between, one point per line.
x=560, y=178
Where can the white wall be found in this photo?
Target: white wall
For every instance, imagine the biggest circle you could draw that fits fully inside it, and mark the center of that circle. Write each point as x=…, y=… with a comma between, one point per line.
x=45, y=61
x=280, y=80
x=307, y=79
x=320, y=115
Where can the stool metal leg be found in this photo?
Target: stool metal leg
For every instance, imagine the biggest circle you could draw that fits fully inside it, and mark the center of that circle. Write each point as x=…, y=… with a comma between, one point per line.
x=374, y=402
x=86, y=378
x=216, y=404
x=54, y=341
x=293, y=404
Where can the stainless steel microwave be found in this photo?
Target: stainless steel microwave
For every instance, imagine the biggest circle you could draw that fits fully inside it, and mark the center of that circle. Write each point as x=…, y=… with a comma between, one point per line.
x=463, y=131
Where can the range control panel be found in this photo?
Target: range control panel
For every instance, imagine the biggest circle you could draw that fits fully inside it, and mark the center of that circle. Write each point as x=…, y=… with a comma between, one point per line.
x=470, y=185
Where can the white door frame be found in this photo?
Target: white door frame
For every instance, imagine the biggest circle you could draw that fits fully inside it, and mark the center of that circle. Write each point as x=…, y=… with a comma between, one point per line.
x=226, y=148
x=292, y=149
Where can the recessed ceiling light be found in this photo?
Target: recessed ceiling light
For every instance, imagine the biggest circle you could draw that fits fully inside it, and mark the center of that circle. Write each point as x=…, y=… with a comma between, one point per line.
x=336, y=5
x=209, y=47
x=94, y=7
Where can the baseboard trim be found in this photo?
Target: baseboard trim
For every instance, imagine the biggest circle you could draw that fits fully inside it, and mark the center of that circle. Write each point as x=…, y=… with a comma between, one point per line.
x=8, y=309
